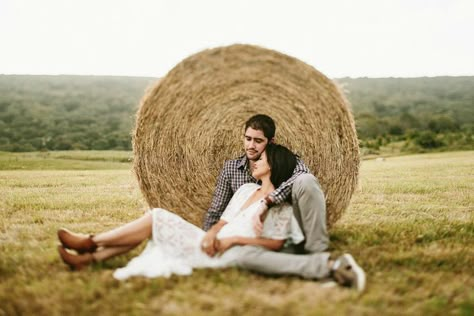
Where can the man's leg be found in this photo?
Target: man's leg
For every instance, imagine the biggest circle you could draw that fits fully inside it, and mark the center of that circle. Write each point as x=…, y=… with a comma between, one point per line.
x=309, y=207
x=259, y=259
x=344, y=270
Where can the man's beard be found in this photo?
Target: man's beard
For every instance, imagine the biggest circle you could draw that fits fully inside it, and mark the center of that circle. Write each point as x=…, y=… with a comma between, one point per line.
x=256, y=158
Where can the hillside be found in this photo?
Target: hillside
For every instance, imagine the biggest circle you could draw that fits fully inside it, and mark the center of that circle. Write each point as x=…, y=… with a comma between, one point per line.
x=93, y=112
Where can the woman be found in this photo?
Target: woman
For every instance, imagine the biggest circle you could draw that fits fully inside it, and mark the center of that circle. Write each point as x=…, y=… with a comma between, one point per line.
x=176, y=246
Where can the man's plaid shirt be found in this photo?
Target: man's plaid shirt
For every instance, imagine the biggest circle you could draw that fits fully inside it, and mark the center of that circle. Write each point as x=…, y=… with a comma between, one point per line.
x=235, y=173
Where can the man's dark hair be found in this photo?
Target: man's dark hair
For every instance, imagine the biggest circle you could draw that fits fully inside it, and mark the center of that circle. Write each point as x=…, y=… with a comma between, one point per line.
x=282, y=163
x=264, y=123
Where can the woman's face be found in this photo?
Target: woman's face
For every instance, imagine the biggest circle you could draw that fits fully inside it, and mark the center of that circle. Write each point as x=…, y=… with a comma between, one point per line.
x=261, y=168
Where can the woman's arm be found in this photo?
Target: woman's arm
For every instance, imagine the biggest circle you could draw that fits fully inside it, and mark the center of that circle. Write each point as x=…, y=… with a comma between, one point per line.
x=272, y=244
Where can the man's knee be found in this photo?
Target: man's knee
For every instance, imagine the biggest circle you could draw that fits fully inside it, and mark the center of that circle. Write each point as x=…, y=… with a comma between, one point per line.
x=305, y=182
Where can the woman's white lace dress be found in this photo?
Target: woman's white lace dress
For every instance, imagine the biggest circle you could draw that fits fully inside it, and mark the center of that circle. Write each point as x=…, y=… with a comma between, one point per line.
x=175, y=247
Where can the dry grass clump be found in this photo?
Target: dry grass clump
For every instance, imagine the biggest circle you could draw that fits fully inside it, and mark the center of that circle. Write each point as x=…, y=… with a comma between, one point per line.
x=192, y=120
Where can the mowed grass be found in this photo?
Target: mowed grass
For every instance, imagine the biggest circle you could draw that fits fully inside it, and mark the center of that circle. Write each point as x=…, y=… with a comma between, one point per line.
x=410, y=226
x=66, y=160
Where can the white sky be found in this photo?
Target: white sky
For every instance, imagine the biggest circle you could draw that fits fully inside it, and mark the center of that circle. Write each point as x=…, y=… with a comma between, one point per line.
x=373, y=38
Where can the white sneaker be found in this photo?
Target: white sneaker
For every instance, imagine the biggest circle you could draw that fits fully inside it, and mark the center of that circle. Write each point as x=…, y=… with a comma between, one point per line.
x=348, y=273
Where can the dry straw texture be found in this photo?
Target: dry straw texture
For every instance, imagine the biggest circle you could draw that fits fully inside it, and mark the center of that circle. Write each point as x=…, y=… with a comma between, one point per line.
x=192, y=120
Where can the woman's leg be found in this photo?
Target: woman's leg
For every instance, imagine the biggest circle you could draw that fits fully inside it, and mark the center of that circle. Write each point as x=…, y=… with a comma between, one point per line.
x=80, y=261
x=108, y=252
x=129, y=235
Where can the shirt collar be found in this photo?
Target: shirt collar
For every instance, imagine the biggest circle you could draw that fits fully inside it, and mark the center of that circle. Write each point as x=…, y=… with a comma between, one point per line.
x=243, y=163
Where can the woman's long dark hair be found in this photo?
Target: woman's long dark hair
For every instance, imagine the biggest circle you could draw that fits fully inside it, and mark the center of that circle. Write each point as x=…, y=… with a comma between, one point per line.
x=282, y=163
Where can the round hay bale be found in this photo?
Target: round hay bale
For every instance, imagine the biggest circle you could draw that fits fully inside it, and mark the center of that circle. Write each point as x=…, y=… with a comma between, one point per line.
x=192, y=120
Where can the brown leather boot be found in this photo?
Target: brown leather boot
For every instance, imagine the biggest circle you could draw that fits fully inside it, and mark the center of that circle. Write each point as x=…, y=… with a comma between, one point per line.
x=75, y=262
x=80, y=243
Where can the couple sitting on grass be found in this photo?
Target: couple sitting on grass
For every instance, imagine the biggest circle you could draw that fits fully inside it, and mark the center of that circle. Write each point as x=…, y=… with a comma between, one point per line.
x=250, y=224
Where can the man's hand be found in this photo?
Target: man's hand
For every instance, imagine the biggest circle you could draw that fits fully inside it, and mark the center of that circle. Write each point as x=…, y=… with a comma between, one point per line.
x=225, y=243
x=257, y=219
x=208, y=244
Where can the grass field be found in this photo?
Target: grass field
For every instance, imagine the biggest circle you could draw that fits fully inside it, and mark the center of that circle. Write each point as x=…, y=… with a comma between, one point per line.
x=410, y=226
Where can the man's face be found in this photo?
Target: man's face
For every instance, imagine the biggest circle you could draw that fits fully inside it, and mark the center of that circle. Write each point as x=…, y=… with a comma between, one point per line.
x=254, y=143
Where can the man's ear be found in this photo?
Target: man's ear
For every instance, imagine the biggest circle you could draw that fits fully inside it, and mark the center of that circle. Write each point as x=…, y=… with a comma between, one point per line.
x=272, y=140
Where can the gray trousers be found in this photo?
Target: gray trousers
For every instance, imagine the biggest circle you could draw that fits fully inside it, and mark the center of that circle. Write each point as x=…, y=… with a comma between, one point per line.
x=309, y=207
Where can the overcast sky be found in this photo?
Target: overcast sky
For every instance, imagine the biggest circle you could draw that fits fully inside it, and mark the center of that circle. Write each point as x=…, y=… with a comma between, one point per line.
x=357, y=38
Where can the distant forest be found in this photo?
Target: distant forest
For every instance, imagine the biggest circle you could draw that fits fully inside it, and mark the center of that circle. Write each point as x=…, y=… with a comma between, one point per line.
x=91, y=112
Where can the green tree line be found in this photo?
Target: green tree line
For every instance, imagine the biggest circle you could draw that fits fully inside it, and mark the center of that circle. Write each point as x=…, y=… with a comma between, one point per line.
x=96, y=112
x=424, y=113
x=68, y=112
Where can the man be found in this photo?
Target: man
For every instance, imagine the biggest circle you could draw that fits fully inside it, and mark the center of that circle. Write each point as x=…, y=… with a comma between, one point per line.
x=309, y=207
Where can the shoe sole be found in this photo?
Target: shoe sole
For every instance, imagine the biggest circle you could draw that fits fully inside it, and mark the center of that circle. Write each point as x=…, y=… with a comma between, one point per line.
x=360, y=274
x=62, y=253
x=61, y=250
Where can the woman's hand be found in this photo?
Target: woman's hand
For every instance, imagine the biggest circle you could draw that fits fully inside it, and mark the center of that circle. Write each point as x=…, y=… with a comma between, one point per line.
x=225, y=243
x=208, y=244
